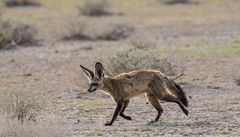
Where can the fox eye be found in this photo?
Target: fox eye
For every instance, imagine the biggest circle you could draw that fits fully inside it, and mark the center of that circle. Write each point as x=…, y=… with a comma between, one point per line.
x=94, y=84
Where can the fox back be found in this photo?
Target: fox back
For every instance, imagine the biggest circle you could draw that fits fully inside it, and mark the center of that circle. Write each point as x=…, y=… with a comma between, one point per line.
x=131, y=84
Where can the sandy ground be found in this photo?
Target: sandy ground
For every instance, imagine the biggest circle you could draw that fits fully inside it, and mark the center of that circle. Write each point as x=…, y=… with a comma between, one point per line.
x=196, y=41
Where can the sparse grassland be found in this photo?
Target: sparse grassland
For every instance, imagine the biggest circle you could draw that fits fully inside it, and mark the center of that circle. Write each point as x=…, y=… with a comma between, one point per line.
x=44, y=85
x=204, y=51
x=212, y=51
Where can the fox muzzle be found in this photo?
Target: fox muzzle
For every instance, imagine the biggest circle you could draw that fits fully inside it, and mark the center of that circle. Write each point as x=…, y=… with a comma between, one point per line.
x=92, y=89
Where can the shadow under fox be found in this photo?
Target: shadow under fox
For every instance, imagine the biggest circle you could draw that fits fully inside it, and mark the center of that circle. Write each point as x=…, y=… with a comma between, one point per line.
x=125, y=86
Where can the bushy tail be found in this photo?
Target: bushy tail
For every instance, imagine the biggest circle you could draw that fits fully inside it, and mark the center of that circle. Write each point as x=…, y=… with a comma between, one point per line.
x=181, y=95
x=177, y=90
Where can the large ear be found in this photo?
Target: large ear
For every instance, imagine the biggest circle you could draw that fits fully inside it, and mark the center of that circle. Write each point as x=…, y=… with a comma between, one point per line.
x=99, y=69
x=87, y=72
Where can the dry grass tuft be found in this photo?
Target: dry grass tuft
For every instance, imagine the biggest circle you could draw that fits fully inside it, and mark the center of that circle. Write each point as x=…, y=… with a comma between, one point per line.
x=94, y=8
x=14, y=128
x=21, y=105
x=20, y=116
x=14, y=34
x=15, y=3
x=135, y=59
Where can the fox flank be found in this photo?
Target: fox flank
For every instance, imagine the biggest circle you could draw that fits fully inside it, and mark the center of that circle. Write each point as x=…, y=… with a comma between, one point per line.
x=122, y=87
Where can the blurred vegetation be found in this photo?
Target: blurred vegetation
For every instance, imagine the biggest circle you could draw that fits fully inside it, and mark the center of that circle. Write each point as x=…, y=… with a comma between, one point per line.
x=14, y=3
x=106, y=31
x=14, y=34
x=93, y=8
x=177, y=1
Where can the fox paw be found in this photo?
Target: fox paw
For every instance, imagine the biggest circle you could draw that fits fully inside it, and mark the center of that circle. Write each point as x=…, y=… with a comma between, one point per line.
x=152, y=122
x=126, y=117
x=108, y=124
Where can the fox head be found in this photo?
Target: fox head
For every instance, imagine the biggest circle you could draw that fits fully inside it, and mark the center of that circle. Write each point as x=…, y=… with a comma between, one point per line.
x=95, y=79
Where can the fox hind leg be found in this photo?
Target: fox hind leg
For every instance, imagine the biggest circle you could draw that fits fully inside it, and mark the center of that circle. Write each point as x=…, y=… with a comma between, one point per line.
x=176, y=100
x=158, y=88
x=185, y=111
x=154, y=102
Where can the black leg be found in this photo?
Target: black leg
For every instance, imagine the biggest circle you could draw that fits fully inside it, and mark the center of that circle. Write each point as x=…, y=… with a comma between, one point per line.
x=124, y=107
x=185, y=111
x=116, y=112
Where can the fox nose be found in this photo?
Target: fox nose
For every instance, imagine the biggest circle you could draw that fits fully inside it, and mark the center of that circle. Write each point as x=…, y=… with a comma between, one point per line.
x=91, y=89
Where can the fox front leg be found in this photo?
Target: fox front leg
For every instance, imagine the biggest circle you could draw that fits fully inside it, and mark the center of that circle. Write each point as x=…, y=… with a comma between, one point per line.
x=116, y=112
x=124, y=107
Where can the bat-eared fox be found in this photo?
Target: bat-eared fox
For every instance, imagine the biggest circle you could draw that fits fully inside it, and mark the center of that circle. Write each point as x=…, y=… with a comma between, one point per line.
x=122, y=87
